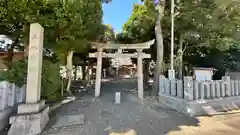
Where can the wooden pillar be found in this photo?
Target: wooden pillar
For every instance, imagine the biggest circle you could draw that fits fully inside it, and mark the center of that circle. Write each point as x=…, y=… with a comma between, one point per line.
x=140, y=74
x=98, y=73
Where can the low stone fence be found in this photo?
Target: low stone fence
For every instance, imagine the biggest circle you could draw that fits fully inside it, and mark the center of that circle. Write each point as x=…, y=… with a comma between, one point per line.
x=196, y=98
x=10, y=96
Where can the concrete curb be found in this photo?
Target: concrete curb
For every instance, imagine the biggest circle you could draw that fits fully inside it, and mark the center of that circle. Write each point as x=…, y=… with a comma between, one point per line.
x=59, y=104
x=199, y=108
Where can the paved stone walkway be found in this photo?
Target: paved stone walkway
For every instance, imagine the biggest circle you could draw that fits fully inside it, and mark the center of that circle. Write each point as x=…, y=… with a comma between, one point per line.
x=103, y=116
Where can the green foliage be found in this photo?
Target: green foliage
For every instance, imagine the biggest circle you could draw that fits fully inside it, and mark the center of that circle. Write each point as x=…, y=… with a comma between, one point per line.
x=107, y=34
x=17, y=73
x=207, y=29
x=140, y=25
x=68, y=25
x=51, y=81
x=207, y=23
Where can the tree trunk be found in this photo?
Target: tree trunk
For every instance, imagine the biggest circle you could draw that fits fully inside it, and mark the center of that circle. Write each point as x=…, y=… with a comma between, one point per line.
x=69, y=71
x=26, y=29
x=11, y=53
x=180, y=58
x=146, y=72
x=84, y=71
x=10, y=56
x=160, y=47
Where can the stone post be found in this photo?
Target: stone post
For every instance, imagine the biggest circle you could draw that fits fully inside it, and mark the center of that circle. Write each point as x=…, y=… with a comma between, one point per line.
x=233, y=89
x=204, y=90
x=227, y=83
x=11, y=94
x=223, y=88
x=208, y=92
x=188, y=88
x=3, y=95
x=161, y=84
x=18, y=95
x=237, y=82
x=32, y=116
x=196, y=90
x=23, y=91
x=236, y=87
x=140, y=74
x=173, y=87
x=213, y=89
x=179, y=89
x=117, y=97
x=98, y=73
x=167, y=86
x=218, y=89
x=104, y=73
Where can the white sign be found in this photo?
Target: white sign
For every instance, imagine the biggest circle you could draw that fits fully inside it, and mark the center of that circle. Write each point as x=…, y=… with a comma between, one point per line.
x=202, y=75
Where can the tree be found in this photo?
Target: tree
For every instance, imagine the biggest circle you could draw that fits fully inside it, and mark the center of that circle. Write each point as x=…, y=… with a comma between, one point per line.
x=139, y=28
x=205, y=32
x=160, y=7
x=107, y=34
x=204, y=24
x=68, y=25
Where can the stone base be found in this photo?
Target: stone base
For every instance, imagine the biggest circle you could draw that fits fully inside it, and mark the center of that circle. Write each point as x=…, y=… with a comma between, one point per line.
x=4, y=117
x=33, y=108
x=201, y=107
x=29, y=124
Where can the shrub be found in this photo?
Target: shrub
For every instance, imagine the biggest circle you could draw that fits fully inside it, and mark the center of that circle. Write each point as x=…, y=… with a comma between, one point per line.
x=51, y=79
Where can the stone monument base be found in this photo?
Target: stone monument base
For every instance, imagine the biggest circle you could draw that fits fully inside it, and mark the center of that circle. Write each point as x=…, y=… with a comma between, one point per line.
x=29, y=123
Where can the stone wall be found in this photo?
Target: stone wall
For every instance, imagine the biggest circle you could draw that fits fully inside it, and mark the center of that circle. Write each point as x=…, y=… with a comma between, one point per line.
x=200, y=97
x=10, y=96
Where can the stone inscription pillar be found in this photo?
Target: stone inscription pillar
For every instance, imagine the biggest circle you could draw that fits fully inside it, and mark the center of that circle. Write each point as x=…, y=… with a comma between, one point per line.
x=32, y=116
x=34, y=64
x=98, y=73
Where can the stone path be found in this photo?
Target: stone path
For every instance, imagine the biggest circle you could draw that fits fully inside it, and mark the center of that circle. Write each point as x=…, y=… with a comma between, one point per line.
x=103, y=116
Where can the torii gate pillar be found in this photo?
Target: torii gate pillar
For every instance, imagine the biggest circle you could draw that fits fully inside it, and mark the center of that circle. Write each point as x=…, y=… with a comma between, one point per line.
x=98, y=72
x=140, y=74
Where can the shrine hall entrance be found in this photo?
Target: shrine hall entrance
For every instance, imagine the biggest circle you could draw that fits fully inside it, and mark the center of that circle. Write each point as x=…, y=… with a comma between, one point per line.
x=139, y=55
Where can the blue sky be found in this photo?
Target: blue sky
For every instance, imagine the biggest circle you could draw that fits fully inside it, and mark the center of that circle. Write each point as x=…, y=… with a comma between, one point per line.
x=117, y=13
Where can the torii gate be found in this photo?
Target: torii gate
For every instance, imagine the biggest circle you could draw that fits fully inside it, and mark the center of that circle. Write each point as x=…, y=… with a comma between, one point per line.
x=139, y=55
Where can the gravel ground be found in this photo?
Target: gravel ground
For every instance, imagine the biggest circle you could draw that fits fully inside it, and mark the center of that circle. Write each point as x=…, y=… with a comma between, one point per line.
x=103, y=116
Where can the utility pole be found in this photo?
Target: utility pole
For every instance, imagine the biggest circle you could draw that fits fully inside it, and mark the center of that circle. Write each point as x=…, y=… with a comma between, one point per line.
x=171, y=72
